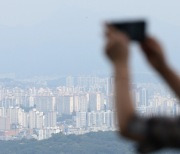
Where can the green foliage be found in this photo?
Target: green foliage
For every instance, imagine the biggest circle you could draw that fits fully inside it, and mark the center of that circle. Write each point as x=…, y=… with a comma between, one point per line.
x=91, y=143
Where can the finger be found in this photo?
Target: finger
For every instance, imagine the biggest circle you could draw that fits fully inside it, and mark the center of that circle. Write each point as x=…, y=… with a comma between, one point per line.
x=110, y=31
x=145, y=48
x=152, y=42
x=114, y=35
x=146, y=45
x=117, y=36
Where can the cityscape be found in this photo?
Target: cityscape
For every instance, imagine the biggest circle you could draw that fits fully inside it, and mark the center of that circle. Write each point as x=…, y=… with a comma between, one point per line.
x=38, y=108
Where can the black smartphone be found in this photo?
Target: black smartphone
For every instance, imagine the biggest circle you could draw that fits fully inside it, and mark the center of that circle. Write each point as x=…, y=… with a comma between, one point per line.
x=134, y=29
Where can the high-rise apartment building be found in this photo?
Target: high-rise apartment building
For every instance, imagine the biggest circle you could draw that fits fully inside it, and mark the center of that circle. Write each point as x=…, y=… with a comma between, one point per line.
x=96, y=101
x=64, y=104
x=81, y=120
x=50, y=119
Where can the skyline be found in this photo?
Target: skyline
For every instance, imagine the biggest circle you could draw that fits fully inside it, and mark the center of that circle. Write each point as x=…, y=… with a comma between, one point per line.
x=76, y=106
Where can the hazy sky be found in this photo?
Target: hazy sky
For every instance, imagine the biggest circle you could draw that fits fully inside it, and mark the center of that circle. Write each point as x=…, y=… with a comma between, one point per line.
x=48, y=37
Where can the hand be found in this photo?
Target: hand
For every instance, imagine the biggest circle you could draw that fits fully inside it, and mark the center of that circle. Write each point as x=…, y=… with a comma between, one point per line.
x=117, y=45
x=153, y=52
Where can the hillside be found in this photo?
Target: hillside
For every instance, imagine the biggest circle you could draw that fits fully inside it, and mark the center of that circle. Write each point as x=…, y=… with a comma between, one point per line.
x=91, y=143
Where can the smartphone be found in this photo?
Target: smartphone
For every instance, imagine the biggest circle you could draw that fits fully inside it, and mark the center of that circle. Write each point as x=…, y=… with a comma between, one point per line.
x=134, y=29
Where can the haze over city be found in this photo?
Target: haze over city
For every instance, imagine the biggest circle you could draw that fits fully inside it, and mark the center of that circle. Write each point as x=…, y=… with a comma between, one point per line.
x=66, y=37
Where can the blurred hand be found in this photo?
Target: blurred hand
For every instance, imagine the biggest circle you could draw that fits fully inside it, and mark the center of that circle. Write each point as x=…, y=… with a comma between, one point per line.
x=116, y=45
x=154, y=53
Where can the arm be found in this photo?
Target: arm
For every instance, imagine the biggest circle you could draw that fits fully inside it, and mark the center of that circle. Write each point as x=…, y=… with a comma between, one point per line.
x=171, y=78
x=156, y=58
x=117, y=51
x=124, y=105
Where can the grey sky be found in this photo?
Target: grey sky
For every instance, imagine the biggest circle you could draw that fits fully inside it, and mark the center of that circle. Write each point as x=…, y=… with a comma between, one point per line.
x=44, y=37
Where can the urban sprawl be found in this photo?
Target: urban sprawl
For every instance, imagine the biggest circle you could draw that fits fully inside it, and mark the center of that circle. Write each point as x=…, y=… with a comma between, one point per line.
x=76, y=106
